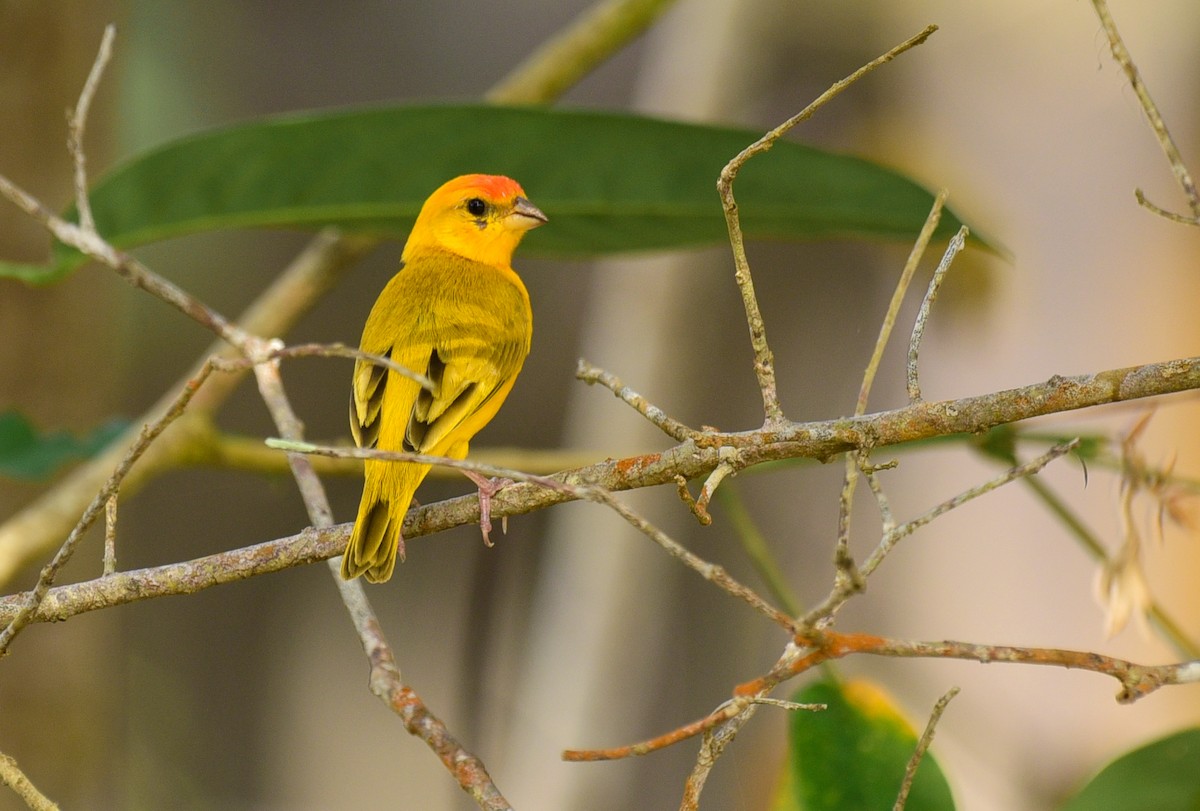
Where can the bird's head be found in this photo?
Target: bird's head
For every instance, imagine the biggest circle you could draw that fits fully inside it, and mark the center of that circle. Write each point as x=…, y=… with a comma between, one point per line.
x=481, y=217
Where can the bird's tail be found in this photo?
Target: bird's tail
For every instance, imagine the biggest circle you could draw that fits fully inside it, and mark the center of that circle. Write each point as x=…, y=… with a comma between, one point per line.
x=376, y=540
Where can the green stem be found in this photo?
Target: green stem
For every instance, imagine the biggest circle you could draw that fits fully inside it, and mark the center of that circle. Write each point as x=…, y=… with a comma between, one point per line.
x=577, y=50
x=755, y=546
x=1163, y=622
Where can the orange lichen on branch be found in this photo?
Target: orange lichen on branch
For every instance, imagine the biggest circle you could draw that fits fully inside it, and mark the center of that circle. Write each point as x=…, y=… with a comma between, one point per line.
x=811, y=650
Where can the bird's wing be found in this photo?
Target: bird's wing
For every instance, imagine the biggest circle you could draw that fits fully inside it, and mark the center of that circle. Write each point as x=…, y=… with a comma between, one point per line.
x=471, y=352
x=471, y=379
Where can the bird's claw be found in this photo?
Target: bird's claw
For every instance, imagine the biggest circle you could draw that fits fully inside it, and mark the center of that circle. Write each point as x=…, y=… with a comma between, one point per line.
x=488, y=487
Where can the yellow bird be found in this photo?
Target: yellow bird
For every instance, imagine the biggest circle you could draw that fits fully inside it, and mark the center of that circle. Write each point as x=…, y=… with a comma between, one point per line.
x=458, y=314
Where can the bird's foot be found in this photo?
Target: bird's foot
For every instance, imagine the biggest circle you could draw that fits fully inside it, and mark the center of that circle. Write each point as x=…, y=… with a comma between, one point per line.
x=488, y=487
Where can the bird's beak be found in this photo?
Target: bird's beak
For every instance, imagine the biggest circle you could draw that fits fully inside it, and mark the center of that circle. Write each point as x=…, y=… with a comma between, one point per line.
x=525, y=215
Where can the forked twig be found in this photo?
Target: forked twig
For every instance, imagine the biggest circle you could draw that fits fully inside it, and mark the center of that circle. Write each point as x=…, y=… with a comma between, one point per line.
x=1137, y=681
x=764, y=361
x=33, y=599
x=842, y=591
x=893, y=310
x=1121, y=55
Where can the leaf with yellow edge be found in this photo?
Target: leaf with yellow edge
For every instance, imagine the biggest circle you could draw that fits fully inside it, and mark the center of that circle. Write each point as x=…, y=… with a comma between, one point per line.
x=852, y=755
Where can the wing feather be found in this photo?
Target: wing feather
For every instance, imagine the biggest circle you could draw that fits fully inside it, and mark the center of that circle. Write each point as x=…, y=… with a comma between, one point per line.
x=469, y=334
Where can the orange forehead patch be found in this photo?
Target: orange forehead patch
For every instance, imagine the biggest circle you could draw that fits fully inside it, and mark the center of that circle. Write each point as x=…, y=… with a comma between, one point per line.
x=495, y=187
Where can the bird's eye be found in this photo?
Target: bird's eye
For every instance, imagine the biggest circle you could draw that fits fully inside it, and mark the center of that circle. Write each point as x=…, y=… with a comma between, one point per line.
x=476, y=207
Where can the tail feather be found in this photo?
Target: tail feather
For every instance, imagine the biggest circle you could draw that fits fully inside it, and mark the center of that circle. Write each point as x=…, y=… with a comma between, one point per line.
x=376, y=541
x=374, y=544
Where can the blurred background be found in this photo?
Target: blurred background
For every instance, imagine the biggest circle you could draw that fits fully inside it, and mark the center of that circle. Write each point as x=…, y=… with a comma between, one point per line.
x=572, y=632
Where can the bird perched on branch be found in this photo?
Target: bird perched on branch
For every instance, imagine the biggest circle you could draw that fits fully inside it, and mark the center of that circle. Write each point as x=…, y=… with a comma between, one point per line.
x=458, y=314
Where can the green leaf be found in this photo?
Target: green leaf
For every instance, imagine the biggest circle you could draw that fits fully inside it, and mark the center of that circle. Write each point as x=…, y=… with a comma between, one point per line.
x=1160, y=776
x=610, y=183
x=852, y=756
x=27, y=454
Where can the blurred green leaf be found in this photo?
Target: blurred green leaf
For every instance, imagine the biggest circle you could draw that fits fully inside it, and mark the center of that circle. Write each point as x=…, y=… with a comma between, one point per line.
x=852, y=756
x=610, y=183
x=1160, y=776
x=1000, y=443
x=27, y=454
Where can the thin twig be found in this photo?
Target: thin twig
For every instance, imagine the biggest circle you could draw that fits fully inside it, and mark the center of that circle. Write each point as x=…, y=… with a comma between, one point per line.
x=728, y=466
x=1137, y=681
x=712, y=745
x=910, y=770
x=709, y=571
x=847, y=570
x=848, y=578
x=671, y=427
x=870, y=473
x=893, y=310
x=149, y=433
x=1182, y=175
x=88, y=242
x=110, y=534
x=957, y=242
x=209, y=446
x=78, y=123
x=333, y=350
x=764, y=361
x=821, y=614
x=1182, y=219
x=39, y=528
x=1030, y=468
x=12, y=776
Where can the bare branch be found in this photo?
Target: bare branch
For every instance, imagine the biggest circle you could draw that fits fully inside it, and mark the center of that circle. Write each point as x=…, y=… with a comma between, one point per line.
x=1136, y=680
x=673, y=428
x=957, y=242
x=764, y=361
x=64, y=602
x=893, y=310
x=1182, y=175
x=816, y=440
x=711, y=747
x=40, y=527
x=12, y=776
x=78, y=123
x=557, y=484
x=110, y=535
x=910, y=771
x=1030, y=468
x=149, y=433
